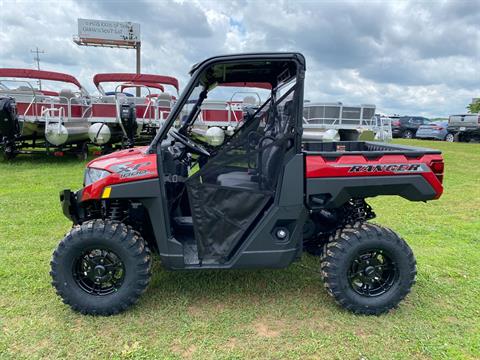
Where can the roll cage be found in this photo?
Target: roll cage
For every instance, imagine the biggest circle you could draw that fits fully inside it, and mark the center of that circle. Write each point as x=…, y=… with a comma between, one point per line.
x=271, y=68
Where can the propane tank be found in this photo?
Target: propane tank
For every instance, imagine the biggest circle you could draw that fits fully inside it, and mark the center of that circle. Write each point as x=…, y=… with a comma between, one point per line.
x=59, y=134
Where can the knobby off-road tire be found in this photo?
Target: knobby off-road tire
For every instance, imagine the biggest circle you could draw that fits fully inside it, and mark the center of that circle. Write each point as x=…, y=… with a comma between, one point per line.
x=108, y=252
x=349, y=267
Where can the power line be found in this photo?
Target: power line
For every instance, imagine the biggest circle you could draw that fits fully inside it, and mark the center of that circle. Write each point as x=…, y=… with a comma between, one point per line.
x=37, y=59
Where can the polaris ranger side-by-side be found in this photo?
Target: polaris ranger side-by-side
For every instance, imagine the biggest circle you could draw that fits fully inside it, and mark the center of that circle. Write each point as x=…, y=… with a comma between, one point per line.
x=258, y=200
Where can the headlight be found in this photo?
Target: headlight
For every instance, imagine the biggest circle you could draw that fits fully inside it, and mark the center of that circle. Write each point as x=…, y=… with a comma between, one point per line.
x=92, y=175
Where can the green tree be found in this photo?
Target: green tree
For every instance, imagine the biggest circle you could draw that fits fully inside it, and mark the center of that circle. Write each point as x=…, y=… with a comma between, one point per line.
x=474, y=107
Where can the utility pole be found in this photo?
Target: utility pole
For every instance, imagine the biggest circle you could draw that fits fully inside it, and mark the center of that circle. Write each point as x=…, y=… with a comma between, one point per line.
x=37, y=59
x=137, y=47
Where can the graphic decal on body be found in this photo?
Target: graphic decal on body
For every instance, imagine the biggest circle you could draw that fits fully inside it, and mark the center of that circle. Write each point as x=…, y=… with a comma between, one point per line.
x=396, y=168
x=127, y=170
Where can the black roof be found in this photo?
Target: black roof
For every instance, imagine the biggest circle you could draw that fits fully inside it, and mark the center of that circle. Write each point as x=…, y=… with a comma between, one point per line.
x=262, y=56
x=252, y=67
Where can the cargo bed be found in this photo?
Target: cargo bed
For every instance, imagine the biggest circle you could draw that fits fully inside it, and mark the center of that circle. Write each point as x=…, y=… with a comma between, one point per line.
x=343, y=170
x=365, y=148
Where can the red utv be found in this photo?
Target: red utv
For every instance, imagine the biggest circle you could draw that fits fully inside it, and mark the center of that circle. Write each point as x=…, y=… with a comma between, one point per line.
x=256, y=201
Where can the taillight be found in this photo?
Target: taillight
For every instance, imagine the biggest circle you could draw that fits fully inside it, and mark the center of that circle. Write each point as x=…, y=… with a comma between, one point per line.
x=438, y=128
x=438, y=167
x=396, y=123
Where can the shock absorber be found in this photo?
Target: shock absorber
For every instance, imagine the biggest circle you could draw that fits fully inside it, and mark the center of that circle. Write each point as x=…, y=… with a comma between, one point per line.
x=357, y=210
x=116, y=211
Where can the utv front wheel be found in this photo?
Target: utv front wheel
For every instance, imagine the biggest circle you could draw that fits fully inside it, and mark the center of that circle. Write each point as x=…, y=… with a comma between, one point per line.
x=368, y=269
x=101, y=267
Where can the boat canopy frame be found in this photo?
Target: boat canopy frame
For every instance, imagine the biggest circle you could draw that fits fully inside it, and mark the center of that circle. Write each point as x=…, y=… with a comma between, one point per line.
x=143, y=79
x=41, y=75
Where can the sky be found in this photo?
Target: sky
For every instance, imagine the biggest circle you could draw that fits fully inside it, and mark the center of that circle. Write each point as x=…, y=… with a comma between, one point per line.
x=406, y=57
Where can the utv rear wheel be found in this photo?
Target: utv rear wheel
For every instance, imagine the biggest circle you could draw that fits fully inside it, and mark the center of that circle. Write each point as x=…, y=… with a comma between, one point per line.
x=101, y=267
x=368, y=269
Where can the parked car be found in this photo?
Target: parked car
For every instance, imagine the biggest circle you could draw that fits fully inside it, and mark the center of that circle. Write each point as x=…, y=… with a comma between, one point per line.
x=436, y=130
x=464, y=127
x=407, y=126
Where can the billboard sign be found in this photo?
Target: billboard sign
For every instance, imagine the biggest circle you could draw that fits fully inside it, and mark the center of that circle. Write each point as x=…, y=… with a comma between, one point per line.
x=121, y=31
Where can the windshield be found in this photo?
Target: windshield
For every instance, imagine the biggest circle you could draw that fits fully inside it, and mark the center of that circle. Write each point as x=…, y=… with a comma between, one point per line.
x=221, y=106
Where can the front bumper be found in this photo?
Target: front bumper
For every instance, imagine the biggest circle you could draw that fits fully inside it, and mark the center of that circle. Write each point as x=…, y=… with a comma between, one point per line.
x=70, y=206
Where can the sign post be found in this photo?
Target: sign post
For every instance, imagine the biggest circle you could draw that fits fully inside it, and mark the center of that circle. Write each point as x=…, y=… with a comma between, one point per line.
x=113, y=34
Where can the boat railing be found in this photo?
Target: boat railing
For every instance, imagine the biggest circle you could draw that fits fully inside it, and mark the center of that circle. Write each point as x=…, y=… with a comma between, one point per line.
x=383, y=127
x=240, y=104
x=32, y=102
x=338, y=116
x=48, y=114
x=35, y=97
x=15, y=93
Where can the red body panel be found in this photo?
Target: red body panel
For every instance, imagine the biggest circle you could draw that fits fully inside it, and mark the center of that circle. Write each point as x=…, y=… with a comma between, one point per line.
x=317, y=166
x=136, y=164
x=125, y=166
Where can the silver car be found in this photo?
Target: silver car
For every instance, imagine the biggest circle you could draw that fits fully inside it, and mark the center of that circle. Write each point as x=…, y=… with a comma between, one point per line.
x=436, y=130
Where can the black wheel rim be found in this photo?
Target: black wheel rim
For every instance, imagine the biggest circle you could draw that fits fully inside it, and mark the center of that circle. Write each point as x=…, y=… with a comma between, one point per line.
x=99, y=272
x=372, y=273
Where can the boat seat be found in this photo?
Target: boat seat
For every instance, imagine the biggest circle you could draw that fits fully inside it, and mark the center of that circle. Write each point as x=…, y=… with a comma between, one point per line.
x=108, y=99
x=164, y=100
x=65, y=95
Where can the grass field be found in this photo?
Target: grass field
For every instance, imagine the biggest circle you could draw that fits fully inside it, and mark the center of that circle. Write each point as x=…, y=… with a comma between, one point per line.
x=244, y=314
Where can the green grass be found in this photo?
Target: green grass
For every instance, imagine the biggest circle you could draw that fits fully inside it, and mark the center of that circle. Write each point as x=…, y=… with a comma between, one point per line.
x=244, y=314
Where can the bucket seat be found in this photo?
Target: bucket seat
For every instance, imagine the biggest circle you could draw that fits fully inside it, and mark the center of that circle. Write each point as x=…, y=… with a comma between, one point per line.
x=271, y=150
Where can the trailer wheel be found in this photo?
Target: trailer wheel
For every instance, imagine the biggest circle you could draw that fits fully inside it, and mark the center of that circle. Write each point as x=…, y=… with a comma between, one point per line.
x=368, y=269
x=8, y=151
x=101, y=267
x=8, y=155
x=82, y=153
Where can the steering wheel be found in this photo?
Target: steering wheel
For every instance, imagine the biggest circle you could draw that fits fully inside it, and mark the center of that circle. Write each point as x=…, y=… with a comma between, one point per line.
x=193, y=147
